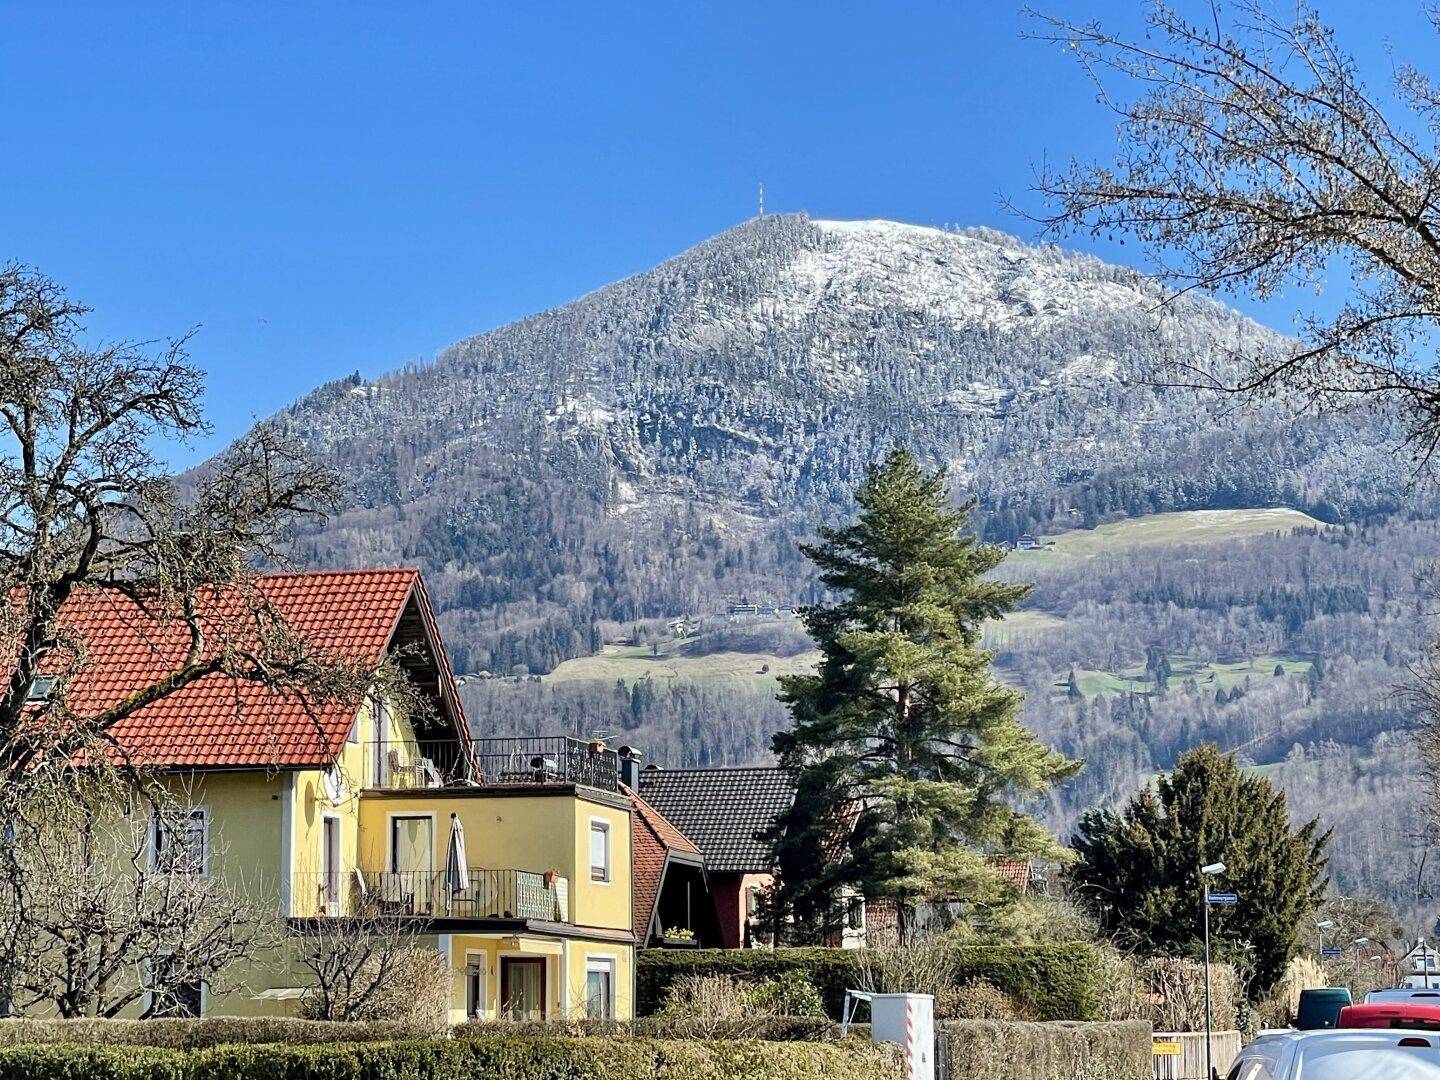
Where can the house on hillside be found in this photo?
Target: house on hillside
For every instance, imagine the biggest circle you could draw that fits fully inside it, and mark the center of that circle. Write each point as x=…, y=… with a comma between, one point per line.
x=331, y=812
x=724, y=812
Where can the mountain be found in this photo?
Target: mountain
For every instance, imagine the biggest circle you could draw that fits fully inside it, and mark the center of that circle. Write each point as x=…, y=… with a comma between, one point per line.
x=603, y=480
x=656, y=448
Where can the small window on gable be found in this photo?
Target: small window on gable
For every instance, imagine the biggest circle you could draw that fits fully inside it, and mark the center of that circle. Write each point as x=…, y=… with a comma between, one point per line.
x=599, y=850
x=40, y=689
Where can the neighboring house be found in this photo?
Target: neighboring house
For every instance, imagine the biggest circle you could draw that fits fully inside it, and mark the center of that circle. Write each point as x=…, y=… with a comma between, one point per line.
x=672, y=890
x=724, y=812
x=1420, y=967
x=328, y=811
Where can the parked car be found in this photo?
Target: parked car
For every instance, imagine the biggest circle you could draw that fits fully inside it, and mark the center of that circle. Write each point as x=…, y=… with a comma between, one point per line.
x=1398, y=1015
x=1331, y=1054
x=1320, y=1007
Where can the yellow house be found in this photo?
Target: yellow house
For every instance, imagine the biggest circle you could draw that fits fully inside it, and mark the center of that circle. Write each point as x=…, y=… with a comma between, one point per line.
x=512, y=856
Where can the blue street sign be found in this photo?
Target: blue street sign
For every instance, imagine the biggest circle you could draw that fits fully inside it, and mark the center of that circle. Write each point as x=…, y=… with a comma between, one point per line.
x=1331, y=953
x=1221, y=898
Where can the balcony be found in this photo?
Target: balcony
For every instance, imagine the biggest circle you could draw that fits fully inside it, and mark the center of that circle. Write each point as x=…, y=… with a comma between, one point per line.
x=488, y=762
x=492, y=894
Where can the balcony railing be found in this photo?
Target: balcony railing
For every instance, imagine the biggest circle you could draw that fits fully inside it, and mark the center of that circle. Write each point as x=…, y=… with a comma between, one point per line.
x=526, y=760
x=427, y=894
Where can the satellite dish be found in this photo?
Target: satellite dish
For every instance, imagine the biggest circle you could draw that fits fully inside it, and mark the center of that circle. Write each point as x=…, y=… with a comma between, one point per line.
x=335, y=784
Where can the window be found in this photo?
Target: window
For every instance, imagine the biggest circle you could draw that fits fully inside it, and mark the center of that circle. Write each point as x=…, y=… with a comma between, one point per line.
x=380, y=767
x=522, y=988
x=600, y=989
x=167, y=998
x=475, y=987
x=40, y=689
x=599, y=850
x=330, y=864
x=752, y=902
x=181, y=843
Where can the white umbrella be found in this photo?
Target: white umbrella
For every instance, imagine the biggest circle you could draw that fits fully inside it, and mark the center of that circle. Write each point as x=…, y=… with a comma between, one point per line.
x=457, y=868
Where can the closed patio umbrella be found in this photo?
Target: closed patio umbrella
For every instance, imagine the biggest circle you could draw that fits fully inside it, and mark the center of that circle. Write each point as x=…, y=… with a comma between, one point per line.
x=457, y=867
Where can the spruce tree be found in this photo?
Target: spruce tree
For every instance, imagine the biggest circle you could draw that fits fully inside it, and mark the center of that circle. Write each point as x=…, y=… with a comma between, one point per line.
x=1139, y=870
x=908, y=754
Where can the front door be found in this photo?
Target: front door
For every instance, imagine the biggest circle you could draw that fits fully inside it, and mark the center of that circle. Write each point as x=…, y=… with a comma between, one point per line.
x=522, y=988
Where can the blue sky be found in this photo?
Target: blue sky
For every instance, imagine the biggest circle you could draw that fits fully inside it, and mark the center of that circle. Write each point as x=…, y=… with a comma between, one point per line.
x=332, y=187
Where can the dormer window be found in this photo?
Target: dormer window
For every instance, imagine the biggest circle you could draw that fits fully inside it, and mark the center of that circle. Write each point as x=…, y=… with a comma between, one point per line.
x=40, y=689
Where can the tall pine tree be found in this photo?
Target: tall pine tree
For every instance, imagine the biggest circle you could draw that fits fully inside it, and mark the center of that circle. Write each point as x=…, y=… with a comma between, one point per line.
x=1139, y=869
x=908, y=754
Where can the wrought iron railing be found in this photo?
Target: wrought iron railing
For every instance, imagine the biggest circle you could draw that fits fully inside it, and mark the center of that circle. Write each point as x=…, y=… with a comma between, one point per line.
x=556, y=759
x=428, y=894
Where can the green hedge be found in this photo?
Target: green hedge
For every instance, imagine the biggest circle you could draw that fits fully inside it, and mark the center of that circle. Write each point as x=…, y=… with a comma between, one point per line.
x=459, y=1059
x=1017, y=1050
x=186, y=1034
x=1060, y=982
x=766, y=1028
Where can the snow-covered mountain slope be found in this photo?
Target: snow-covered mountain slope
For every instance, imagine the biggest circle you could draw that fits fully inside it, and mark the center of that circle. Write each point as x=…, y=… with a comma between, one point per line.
x=601, y=458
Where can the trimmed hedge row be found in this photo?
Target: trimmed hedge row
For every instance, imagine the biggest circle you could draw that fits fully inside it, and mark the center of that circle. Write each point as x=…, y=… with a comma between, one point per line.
x=1059, y=982
x=462, y=1059
x=190, y=1034
x=1020, y=1050
x=764, y=1028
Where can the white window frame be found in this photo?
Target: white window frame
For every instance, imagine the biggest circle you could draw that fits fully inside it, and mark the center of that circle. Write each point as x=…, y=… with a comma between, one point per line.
x=603, y=963
x=477, y=965
x=603, y=825
x=204, y=812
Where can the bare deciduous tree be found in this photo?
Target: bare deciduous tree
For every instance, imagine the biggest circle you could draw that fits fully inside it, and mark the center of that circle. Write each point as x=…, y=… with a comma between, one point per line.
x=1252, y=157
x=86, y=505
x=112, y=902
x=354, y=959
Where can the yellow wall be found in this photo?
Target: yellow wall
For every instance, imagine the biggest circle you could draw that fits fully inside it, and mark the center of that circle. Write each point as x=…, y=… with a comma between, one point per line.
x=516, y=832
x=564, y=976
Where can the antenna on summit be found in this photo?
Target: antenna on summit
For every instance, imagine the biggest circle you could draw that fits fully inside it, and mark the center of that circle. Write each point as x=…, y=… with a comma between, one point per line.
x=762, y=198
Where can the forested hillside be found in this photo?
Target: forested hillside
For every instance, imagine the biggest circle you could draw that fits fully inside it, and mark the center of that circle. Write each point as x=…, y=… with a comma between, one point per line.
x=656, y=450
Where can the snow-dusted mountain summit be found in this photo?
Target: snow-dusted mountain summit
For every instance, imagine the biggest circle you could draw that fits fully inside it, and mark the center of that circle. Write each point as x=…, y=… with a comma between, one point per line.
x=604, y=456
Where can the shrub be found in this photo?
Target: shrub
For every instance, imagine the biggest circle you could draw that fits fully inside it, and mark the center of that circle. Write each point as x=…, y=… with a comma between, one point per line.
x=1056, y=982
x=766, y=1028
x=924, y=967
x=197, y=1034
x=790, y=994
x=977, y=999
x=416, y=991
x=1177, y=994
x=1018, y=1050
x=1277, y=1008
x=459, y=1059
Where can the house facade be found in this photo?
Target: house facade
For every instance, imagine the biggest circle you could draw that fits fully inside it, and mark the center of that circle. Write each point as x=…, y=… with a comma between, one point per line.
x=512, y=858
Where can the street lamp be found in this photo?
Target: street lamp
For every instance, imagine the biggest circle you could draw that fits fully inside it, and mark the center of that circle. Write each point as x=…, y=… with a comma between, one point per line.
x=1320, y=928
x=1208, y=871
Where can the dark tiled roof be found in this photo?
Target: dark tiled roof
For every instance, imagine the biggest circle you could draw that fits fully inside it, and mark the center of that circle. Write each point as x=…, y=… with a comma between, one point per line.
x=722, y=810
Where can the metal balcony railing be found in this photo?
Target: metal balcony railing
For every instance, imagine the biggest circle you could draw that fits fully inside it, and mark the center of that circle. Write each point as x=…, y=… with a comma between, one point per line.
x=426, y=894
x=556, y=759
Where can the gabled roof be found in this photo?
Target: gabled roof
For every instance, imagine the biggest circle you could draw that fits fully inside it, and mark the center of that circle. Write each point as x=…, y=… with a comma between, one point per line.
x=722, y=810
x=653, y=842
x=219, y=721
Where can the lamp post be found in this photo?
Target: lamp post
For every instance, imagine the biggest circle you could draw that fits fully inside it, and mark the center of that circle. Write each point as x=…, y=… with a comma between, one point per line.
x=1208, y=871
x=1320, y=928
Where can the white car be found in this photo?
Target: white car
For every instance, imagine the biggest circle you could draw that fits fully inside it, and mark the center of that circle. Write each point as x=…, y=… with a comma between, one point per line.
x=1341, y=1054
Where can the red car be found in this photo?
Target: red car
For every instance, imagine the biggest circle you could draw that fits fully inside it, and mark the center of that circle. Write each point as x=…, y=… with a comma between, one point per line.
x=1421, y=1017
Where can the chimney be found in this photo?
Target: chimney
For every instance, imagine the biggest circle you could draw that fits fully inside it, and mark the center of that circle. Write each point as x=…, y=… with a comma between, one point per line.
x=630, y=766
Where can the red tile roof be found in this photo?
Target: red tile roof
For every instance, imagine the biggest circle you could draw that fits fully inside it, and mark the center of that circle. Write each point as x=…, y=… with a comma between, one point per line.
x=219, y=721
x=1015, y=871
x=651, y=845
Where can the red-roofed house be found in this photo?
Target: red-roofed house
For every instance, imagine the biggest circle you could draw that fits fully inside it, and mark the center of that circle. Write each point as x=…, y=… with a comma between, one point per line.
x=336, y=810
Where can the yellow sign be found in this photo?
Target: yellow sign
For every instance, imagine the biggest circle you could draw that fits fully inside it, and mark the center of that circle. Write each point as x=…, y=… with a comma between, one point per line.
x=1167, y=1049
